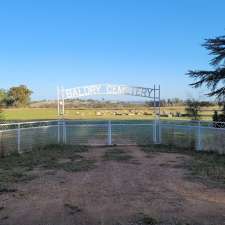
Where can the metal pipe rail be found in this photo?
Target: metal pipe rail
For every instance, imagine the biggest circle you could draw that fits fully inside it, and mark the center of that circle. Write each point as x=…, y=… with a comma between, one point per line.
x=198, y=135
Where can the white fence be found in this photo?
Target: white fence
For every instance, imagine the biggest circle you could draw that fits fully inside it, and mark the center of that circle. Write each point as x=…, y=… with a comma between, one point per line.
x=201, y=136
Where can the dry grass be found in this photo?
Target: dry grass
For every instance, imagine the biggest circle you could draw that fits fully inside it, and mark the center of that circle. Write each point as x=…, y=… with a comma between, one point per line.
x=116, y=155
x=203, y=164
x=25, y=114
x=16, y=168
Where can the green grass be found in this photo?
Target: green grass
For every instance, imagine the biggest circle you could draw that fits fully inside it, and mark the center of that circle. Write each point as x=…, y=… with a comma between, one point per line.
x=116, y=155
x=16, y=168
x=29, y=114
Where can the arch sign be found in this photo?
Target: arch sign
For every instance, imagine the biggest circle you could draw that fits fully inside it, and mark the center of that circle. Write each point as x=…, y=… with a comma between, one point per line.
x=108, y=89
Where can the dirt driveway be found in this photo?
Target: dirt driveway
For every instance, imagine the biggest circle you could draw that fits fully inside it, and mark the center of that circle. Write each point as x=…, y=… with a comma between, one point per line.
x=114, y=192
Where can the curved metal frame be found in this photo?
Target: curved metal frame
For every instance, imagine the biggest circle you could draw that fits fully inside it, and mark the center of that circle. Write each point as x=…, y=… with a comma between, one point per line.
x=112, y=89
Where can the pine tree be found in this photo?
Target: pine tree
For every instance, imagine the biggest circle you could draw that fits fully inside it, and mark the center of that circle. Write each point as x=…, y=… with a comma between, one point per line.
x=213, y=79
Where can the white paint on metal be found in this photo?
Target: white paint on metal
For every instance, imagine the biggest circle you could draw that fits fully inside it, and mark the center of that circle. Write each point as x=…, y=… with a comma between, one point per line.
x=18, y=139
x=112, y=89
x=106, y=89
x=22, y=138
x=58, y=100
x=109, y=133
x=64, y=132
x=58, y=131
x=199, y=147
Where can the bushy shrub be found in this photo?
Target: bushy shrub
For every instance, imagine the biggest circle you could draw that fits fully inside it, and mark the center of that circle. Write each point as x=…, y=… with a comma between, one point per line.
x=219, y=119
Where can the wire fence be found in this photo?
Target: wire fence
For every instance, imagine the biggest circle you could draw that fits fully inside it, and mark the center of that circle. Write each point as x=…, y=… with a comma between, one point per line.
x=197, y=135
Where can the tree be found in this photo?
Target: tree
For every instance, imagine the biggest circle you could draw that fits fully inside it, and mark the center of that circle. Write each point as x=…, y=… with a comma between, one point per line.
x=192, y=108
x=215, y=116
x=1, y=114
x=3, y=97
x=19, y=96
x=1, y=138
x=219, y=117
x=213, y=79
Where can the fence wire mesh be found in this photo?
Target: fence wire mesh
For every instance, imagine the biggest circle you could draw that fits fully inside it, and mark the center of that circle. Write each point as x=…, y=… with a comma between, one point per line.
x=201, y=136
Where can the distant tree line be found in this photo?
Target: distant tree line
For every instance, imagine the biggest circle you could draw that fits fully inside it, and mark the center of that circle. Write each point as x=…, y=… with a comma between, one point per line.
x=18, y=96
x=180, y=102
x=91, y=103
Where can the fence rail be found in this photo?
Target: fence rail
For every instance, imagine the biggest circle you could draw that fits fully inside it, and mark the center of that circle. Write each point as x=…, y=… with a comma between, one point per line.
x=198, y=135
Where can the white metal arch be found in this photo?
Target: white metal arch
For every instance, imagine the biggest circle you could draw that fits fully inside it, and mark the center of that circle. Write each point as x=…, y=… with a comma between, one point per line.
x=112, y=89
x=108, y=89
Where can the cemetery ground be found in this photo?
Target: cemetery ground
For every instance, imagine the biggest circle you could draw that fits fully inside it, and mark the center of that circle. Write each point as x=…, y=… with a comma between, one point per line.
x=132, y=185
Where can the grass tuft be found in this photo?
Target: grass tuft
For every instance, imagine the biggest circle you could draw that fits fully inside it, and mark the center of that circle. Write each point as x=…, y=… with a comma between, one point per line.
x=146, y=220
x=116, y=154
x=73, y=208
x=143, y=219
x=82, y=165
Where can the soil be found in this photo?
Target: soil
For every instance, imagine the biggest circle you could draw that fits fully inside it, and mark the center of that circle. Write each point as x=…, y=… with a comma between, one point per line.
x=114, y=192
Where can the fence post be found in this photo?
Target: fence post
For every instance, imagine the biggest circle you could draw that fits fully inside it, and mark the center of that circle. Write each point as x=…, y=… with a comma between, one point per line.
x=64, y=132
x=18, y=138
x=58, y=134
x=154, y=131
x=199, y=146
x=159, y=132
x=109, y=133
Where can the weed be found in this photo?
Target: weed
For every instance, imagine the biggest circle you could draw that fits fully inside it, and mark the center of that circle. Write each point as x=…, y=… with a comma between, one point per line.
x=72, y=208
x=83, y=165
x=142, y=219
x=149, y=220
x=117, y=155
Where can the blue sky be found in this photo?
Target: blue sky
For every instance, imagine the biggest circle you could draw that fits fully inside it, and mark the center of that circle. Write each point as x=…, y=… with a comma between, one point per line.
x=44, y=43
